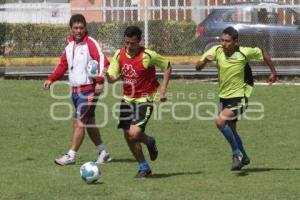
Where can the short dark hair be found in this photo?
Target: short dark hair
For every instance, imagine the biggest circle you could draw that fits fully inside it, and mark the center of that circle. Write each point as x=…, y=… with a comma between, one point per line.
x=232, y=32
x=133, y=31
x=77, y=18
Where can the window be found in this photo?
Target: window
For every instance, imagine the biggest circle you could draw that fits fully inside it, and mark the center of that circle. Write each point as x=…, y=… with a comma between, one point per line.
x=121, y=14
x=9, y=1
x=181, y=3
x=58, y=1
x=237, y=15
x=169, y=11
x=32, y=1
x=157, y=2
x=173, y=3
x=277, y=16
x=163, y=10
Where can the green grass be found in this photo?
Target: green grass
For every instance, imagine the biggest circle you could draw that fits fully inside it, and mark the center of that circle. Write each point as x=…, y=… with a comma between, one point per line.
x=194, y=158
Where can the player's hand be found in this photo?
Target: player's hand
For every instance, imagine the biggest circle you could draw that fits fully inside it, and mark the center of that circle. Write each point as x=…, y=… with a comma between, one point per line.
x=47, y=84
x=98, y=88
x=105, y=71
x=272, y=78
x=200, y=64
x=162, y=96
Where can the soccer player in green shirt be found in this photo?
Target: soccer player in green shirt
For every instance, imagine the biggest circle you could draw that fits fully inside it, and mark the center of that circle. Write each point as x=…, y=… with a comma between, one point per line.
x=136, y=66
x=235, y=86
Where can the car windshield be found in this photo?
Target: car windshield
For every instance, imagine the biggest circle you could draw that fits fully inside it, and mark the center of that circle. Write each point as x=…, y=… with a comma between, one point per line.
x=250, y=15
x=297, y=10
x=234, y=15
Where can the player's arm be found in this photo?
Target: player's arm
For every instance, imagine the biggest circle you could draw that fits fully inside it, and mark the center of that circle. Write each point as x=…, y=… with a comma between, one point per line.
x=58, y=73
x=162, y=63
x=97, y=54
x=259, y=54
x=201, y=63
x=113, y=72
x=110, y=79
x=268, y=61
x=207, y=57
x=165, y=82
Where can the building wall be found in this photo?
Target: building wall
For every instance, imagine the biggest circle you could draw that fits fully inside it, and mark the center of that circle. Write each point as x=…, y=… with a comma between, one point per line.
x=105, y=8
x=44, y=12
x=91, y=16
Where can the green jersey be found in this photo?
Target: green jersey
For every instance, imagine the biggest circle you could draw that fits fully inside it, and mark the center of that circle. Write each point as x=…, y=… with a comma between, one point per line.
x=231, y=70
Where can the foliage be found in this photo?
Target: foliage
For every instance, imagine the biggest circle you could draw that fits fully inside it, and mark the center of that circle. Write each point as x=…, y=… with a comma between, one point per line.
x=30, y=40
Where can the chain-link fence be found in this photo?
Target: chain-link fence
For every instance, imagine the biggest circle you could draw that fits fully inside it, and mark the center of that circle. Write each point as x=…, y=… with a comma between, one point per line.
x=173, y=28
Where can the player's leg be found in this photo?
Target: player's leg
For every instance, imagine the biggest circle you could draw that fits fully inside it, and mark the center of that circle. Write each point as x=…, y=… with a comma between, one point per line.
x=143, y=113
x=138, y=133
x=239, y=106
x=245, y=159
x=95, y=136
x=222, y=124
x=77, y=136
x=83, y=103
x=133, y=139
x=93, y=130
x=125, y=120
x=133, y=121
x=134, y=144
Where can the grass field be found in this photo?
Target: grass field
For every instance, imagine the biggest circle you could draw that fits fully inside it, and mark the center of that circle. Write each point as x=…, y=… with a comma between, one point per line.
x=194, y=159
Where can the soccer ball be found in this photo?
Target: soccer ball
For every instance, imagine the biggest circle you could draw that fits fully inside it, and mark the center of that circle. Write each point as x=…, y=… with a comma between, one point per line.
x=92, y=68
x=90, y=172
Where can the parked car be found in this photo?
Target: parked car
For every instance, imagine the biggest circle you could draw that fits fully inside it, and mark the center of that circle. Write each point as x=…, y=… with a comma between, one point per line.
x=271, y=26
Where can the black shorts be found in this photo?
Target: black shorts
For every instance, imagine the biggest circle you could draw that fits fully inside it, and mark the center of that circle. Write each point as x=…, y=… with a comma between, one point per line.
x=237, y=104
x=136, y=114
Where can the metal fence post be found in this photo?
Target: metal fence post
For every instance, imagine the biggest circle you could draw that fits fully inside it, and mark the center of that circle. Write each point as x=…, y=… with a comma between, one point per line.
x=104, y=10
x=146, y=24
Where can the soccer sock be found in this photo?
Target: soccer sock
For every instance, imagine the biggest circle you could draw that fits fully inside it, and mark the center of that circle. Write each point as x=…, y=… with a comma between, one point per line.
x=150, y=141
x=229, y=135
x=72, y=153
x=144, y=166
x=240, y=143
x=101, y=148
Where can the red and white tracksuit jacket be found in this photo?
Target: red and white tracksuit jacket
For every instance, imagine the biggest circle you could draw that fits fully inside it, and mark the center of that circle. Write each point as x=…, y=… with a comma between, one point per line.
x=75, y=59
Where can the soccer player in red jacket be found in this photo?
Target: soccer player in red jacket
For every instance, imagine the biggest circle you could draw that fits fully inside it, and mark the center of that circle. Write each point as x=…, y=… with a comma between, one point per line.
x=79, y=50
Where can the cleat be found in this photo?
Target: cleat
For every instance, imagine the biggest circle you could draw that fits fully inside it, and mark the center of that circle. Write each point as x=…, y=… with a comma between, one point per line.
x=152, y=148
x=143, y=174
x=65, y=160
x=246, y=161
x=237, y=162
x=103, y=158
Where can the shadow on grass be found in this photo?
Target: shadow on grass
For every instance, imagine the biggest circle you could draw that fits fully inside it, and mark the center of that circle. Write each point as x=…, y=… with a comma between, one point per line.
x=128, y=160
x=245, y=172
x=96, y=183
x=27, y=159
x=166, y=175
